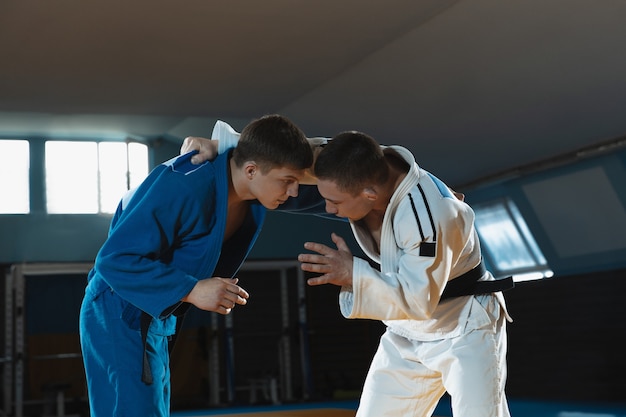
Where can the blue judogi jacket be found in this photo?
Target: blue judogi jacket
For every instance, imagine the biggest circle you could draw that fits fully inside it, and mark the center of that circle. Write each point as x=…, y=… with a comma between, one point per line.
x=169, y=232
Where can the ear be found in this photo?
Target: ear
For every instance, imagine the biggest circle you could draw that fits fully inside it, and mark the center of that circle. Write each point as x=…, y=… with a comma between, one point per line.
x=250, y=168
x=370, y=194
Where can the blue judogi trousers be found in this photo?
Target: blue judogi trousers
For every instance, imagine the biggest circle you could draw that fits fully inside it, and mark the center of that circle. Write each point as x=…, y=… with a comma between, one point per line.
x=113, y=358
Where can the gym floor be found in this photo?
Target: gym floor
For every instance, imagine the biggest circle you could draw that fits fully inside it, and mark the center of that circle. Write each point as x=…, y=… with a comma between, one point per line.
x=518, y=408
x=327, y=409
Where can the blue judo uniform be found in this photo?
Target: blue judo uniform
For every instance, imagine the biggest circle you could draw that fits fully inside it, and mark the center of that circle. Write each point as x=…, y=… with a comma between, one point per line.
x=164, y=237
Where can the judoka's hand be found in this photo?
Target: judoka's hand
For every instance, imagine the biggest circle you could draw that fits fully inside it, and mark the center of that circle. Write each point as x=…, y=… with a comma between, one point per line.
x=335, y=264
x=207, y=148
x=220, y=295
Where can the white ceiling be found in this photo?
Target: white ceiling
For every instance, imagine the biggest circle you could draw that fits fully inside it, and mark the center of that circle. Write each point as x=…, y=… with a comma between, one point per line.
x=472, y=87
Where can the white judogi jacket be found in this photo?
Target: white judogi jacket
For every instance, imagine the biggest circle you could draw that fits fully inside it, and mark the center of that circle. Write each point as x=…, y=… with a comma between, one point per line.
x=405, y=293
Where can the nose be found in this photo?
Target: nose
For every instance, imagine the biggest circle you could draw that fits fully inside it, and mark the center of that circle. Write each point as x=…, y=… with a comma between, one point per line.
x=331, y=208
x=292, y=190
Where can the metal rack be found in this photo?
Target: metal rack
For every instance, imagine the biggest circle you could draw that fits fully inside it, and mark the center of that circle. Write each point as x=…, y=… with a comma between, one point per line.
x=6, y=360
x=284, y=381
x=13, y=360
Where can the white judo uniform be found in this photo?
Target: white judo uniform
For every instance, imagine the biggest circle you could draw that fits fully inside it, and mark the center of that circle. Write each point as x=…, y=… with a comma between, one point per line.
x=430, y=346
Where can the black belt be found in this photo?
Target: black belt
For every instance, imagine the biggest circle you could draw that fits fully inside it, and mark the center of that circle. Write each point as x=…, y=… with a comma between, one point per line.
x=469, y=284
x=146, y=320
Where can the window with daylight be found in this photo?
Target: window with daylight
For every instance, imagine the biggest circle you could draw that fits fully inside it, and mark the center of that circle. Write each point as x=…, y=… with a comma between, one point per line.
x=507, y=242
x=14, y=177
x=92, y=177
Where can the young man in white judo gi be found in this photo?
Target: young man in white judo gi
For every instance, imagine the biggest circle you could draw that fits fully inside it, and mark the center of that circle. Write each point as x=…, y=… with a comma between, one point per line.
x=445, y=317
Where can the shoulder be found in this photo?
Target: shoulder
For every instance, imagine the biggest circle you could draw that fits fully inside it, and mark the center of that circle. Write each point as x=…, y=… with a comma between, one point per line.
x=411, y=223
x=427, y=207
x=176, y=182
x=182, y=164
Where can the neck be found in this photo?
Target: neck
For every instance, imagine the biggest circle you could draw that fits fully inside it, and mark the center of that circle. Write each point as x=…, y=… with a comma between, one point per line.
x=396, y=175
x=238, y=191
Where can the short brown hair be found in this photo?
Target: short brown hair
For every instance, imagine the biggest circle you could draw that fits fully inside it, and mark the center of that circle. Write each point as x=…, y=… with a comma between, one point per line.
x=273, y=141
x=353, y=160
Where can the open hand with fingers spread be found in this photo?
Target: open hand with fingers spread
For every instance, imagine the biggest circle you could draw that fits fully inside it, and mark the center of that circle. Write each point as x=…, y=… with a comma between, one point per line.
x=220, y=295
x=334, y=264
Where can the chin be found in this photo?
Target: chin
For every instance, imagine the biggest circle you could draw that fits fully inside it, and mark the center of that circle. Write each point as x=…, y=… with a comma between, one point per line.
x=272, y=206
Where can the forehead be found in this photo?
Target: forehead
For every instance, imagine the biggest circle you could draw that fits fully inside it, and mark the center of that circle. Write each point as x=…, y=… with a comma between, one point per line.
x=330, y=191
x=286, y=172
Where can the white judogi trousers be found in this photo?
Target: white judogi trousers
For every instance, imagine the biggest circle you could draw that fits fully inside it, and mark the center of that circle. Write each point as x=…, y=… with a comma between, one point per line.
x=405, y=377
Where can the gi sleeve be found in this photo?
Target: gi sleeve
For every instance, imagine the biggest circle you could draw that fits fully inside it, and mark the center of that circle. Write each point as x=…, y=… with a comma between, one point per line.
x=412, y=280
x=163, y=216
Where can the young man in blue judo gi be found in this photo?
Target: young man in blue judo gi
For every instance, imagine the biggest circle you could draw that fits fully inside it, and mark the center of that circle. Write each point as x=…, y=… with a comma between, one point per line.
x=178, y=239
